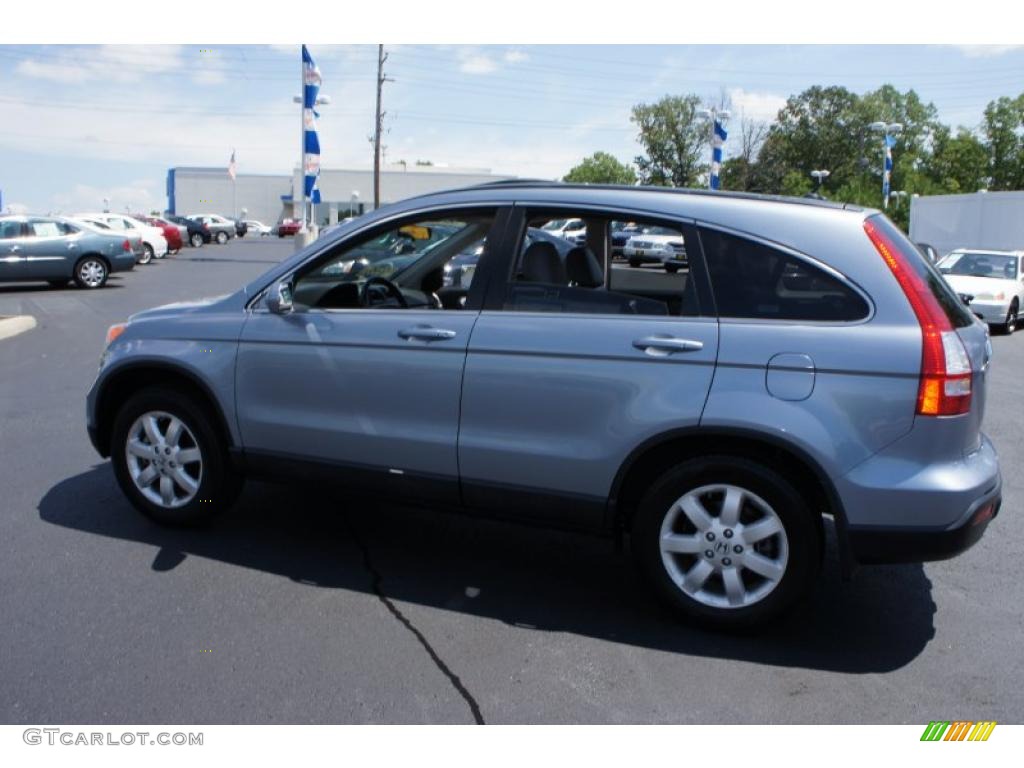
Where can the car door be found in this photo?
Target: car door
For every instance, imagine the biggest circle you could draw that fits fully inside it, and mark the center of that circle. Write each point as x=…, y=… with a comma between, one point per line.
x=13, y=245
x=49, y=250
x=369, y=394
x=567, y=372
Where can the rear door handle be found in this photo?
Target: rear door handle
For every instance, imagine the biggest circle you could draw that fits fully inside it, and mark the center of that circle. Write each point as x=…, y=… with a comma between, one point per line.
x=661, y=346
x=426, y=333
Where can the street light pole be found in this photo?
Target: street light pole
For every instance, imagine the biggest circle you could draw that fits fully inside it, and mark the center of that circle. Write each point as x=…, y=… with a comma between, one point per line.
x=888, y=131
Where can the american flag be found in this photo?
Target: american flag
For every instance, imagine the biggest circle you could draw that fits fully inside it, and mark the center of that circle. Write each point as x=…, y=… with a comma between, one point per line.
x=231, y=166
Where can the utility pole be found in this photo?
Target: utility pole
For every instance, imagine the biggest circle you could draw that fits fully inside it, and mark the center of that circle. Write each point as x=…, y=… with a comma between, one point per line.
x=379, y=124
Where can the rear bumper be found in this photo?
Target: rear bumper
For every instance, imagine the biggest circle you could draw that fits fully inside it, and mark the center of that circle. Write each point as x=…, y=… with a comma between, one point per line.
x=917, y=545
x=122, y=262
x=904, y=505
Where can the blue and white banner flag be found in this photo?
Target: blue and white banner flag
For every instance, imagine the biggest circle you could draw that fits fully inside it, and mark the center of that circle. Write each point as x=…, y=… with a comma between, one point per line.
x=311, y=81
x=717, y=141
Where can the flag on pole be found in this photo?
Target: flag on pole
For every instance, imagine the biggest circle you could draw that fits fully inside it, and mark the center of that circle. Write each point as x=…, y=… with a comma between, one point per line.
x=717, y=141
x=890, y=142
x=311, y=82
x=231, y=166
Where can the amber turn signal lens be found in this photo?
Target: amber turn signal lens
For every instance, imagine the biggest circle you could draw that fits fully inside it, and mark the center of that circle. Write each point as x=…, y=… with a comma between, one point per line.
x=114, y=331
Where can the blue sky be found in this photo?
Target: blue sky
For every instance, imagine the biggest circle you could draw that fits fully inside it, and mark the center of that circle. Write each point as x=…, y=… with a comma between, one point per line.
x=81, y=123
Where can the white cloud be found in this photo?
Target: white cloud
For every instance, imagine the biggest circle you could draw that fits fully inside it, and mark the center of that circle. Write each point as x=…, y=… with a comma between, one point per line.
x=986, y=51
x=476, y=64
x=108, y=63
x=16, y=209
x=137, y=196
x=516, y=57
x=754, y=105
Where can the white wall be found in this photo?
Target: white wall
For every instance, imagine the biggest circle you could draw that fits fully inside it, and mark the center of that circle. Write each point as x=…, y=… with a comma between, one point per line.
x=981, y=220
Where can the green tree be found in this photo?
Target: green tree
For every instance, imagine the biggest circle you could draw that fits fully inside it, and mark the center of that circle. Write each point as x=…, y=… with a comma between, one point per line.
x=958, y=163
x=601, y=168
x=1004, y=120
x=675, y=141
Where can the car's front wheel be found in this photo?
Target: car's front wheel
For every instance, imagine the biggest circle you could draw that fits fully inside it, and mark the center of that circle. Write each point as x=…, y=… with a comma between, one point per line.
x=196, y=239
x=170, y=460
x=1012, y=318
x=147, y=254
x=726, y=541
x=222, y=237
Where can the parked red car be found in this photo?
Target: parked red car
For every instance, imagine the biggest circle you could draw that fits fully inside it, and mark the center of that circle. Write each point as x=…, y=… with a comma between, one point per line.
x=172, y=232
x=288, y=227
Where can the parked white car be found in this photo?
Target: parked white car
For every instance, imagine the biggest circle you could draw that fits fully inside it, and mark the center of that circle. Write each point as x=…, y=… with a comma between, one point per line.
x=657, y=245
x=573, y=230
x=153, y=241
x=257, y=227
x=992, y=282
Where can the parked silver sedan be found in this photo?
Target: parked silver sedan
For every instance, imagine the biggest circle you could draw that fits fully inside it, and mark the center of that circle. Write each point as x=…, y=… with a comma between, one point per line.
x=56, y=250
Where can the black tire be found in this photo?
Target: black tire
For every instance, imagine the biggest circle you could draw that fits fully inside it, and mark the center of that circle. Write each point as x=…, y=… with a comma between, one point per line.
x=635, y=263
x=801, y=524
x=222, y=237
x=219, y=486
x=671, y=268
x=1012, y=316
x=147, y=254
x=197, y=240
x=91, y=272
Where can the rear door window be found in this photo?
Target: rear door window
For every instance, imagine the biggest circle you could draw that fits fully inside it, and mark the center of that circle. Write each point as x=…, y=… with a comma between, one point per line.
x=755, y=281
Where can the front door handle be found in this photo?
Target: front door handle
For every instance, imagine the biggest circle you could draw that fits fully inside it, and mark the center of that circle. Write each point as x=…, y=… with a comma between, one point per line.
x=426, y=333
x=15, y=248
x=72, y=246
x=662, y=346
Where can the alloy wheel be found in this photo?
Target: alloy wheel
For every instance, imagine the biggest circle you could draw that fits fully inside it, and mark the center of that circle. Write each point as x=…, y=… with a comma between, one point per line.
x=164, y=459
x=724, y=546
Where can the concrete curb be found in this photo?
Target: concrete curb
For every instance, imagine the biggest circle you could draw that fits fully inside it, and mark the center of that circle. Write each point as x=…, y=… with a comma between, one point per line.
x=12, y=326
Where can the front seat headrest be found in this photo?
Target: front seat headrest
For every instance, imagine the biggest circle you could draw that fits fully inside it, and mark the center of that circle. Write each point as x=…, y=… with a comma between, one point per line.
x=583, y=268
x=542, y=264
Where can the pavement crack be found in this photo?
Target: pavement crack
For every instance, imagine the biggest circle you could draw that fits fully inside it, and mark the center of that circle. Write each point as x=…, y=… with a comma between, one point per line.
x=378, y=590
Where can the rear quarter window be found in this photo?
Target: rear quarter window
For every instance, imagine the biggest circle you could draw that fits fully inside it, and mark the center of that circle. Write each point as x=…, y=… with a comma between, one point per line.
x=755, y=281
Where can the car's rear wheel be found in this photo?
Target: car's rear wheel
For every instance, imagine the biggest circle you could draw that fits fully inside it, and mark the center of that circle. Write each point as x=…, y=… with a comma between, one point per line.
x=91, y=272
x=726, y=541
x=222, y=237
x=147, y=254
x=170, y=460
x=197, y=240
x=635, y=263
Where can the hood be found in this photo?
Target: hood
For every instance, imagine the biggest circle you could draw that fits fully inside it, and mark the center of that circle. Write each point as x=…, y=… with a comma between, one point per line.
x=179, y=308
x=981, y=286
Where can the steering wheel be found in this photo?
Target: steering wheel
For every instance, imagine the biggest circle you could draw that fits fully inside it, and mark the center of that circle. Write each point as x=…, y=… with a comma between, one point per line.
x=392, y=290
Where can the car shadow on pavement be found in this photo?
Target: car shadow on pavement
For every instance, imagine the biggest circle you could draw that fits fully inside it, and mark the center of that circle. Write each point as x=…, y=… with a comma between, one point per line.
x=526, y=577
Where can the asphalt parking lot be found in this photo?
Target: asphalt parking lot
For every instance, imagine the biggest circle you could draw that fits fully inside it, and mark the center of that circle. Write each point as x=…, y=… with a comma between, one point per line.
x=304, y=607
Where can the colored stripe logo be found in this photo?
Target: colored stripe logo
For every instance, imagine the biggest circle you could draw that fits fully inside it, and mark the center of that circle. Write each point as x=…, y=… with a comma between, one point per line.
x=958, y=730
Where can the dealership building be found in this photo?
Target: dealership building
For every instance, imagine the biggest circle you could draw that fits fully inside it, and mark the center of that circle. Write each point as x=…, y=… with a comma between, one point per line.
x=343, y=192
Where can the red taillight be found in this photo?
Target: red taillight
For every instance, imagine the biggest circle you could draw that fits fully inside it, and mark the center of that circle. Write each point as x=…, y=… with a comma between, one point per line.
x=945, y=388
x=126, y=246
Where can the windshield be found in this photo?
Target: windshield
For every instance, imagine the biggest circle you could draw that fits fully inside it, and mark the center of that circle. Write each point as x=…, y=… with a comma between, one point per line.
x=555, y=225
x=994, y=265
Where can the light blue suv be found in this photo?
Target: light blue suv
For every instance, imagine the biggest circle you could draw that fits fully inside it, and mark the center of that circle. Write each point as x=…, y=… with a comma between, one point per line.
x=807, y=363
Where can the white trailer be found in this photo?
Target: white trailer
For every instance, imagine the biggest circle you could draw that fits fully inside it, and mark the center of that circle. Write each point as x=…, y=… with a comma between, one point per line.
x=989, y=220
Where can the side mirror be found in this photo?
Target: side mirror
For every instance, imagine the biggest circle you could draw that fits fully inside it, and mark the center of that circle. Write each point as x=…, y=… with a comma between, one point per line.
x=279, y=300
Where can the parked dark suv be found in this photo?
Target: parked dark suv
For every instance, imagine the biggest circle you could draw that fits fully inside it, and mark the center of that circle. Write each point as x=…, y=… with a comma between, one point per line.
x=809, y=363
